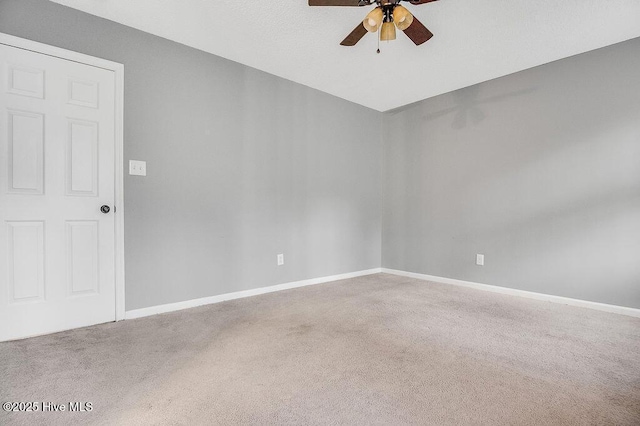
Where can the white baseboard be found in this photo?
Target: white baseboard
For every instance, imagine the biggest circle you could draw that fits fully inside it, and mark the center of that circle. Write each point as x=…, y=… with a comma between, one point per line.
x=623, y=310
x=170, y=307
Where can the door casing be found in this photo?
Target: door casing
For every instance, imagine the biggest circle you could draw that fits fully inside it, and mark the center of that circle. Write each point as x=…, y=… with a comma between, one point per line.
x=118, y=70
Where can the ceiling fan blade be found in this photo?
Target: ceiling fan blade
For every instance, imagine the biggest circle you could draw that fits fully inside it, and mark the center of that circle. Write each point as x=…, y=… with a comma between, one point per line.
x=355, y=36
x=339, y=2
x=417, y=32
x=416, y=2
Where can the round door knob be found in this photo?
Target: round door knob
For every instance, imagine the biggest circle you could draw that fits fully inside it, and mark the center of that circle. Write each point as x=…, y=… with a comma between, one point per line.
x=105, y=209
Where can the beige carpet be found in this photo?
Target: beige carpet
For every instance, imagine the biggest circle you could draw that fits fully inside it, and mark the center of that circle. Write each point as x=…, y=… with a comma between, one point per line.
x=373, y=350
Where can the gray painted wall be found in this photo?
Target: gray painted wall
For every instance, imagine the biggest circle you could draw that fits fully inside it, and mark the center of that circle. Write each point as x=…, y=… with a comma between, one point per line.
x=241, y=165
x=539, y=171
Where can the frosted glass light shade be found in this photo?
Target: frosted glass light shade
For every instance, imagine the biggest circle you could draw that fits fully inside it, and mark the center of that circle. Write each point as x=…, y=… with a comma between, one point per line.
x=402, y=18
x=388, y=31
x=373, y=20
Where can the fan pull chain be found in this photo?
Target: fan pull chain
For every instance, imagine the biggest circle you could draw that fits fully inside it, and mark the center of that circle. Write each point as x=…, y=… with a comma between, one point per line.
x=378, y=34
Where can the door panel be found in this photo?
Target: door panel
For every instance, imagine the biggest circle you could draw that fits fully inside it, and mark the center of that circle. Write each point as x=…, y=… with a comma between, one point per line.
x=57, y=150
x=83, y=257
x=26, y=152
x=82, y=159
x=83, y=93
x=25, y=81
x=26, y=261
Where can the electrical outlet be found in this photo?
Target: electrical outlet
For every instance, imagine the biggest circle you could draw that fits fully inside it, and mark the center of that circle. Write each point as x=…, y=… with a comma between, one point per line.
x=280, y=259
x=480, y=259
x=137, y=168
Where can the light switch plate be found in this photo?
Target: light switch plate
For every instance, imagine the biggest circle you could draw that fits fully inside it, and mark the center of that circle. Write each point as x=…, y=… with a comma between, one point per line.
x=280, y=259
x=480, y=259
x=137, y=168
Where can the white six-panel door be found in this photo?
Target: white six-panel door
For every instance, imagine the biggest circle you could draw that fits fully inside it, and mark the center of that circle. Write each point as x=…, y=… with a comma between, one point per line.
x=57, y=143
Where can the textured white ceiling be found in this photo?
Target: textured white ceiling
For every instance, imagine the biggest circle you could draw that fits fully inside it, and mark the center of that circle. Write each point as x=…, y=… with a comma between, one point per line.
x=475, y=40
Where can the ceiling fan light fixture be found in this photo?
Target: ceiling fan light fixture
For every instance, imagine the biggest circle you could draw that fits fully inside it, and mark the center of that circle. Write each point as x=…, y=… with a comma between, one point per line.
x=388, y=31
x=373, y=20
x=402, y=17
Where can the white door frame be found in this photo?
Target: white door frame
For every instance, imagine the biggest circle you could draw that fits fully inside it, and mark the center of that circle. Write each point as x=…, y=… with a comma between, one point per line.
x=118, y=70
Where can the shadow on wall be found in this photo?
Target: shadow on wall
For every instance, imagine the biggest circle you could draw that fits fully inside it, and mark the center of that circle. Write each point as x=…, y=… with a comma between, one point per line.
x=467, y=106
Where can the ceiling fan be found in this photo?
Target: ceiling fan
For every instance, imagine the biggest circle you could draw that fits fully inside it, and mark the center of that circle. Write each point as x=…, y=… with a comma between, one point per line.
x=387, y=15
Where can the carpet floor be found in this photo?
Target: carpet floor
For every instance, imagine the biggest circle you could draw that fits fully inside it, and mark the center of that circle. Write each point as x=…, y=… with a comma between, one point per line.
x=379, y=349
